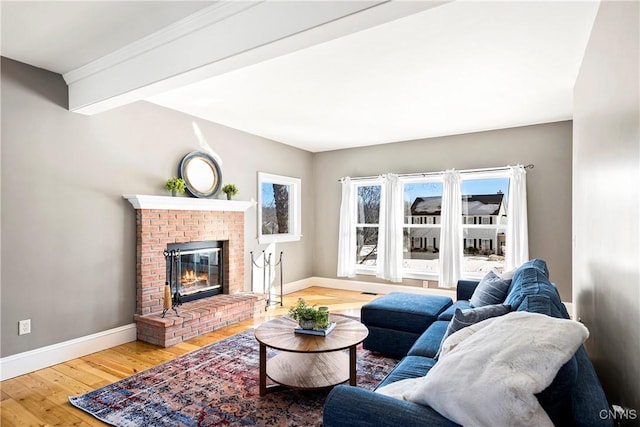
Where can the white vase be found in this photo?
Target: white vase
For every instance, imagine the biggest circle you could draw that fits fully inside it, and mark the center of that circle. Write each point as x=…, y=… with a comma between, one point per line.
x=307, y=324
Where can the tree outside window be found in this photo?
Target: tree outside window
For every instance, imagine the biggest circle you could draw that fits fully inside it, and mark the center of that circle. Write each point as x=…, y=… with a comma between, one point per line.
x=279, y=212
x=368, y=212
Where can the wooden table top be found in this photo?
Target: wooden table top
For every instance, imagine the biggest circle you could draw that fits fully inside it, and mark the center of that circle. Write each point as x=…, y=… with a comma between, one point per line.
x=278, y=333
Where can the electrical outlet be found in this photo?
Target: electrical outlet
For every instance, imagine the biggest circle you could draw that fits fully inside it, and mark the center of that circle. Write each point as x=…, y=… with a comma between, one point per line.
x=24, y=327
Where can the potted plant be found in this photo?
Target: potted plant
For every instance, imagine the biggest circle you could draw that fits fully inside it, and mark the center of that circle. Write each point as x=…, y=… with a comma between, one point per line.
x=175, y=185
x=230, y=190
x=309, y=317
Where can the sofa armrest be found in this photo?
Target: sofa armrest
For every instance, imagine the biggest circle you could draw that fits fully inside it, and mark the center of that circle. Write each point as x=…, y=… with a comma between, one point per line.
x=354, y=406
x=465, y=289
x=590, y=406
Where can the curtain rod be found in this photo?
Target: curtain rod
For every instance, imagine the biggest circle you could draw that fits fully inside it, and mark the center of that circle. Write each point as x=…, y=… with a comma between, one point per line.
x=416, y=174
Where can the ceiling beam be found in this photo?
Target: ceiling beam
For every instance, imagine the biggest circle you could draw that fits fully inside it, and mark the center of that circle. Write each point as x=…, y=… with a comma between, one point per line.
x=218, y=39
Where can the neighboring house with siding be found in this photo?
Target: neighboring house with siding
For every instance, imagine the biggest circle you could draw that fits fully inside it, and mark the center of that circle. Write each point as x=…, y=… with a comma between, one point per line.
x=484, y=217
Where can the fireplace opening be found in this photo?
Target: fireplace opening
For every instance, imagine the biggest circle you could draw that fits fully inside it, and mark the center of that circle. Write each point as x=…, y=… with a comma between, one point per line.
x=198, y=271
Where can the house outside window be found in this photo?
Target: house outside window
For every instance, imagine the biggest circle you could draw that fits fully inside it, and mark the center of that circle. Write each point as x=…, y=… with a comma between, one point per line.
x=484, y=222
x=422, y=206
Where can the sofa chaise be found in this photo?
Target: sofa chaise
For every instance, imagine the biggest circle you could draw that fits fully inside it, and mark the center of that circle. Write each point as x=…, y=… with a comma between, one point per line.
x=415, y=332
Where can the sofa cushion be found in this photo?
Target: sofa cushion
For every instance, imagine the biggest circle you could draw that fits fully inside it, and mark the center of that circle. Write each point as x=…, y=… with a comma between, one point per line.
x=389, y=342
x=449, y=312
x=465, y=318
x=429, y=342
x=536, y=263
x=520, y=354
x=491, y=290
x=542, y=304
x=532, y=281
x=403, y=311
x=409, y=367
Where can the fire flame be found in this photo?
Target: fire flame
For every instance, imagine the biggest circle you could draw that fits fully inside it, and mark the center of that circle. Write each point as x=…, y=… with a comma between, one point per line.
x=189, y=277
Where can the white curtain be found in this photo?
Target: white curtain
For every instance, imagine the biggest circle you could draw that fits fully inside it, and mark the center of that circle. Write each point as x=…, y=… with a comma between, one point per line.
x=347, y=231
x=390, y=240
x=450, y=231
x=517, y=229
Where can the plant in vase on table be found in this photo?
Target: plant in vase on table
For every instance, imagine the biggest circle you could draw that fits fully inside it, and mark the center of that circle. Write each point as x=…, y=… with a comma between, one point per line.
x=309, y=316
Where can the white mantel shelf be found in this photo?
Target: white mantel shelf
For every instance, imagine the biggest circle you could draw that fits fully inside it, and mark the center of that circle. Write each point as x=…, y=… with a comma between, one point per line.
x=187, y=203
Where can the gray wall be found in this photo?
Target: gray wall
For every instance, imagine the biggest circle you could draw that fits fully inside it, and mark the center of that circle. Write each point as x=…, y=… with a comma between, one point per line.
x=68, y=236
x=606, y=170
x=547, y=146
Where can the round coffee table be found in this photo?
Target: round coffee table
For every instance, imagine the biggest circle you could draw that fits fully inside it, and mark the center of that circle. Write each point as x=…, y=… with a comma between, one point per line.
x=308, y=361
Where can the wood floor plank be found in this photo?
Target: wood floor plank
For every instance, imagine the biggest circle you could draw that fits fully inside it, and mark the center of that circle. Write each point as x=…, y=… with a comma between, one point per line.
x=85, y=372
x=66, y=386
x=13, y=414
x=33, y=396
x=41, y=398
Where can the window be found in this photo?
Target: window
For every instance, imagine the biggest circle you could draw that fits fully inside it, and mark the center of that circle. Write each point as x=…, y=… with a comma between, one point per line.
x=480, y=223
x=422, y=209
x=368, y=214
x=279, y=213
x=484, y=222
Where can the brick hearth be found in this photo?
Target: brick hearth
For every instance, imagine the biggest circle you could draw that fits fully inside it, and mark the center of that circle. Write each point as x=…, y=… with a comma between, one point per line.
x=184, y=221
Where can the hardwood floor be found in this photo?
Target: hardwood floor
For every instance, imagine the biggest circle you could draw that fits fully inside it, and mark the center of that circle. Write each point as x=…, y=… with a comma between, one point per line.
x=41, y=398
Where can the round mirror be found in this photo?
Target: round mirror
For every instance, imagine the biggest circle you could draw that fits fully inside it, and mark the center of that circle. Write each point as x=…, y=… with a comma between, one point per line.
x=201, y=174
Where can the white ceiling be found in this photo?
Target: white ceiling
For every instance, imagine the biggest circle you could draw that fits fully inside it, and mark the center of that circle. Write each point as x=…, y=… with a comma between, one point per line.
x=461, y=67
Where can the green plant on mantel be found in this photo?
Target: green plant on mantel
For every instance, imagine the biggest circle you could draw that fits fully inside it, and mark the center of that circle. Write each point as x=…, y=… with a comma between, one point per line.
x=230, y=190
x=175, y=185
x=302, y=313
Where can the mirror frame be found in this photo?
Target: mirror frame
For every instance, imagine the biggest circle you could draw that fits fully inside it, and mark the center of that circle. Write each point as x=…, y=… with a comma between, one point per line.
x=215, y=170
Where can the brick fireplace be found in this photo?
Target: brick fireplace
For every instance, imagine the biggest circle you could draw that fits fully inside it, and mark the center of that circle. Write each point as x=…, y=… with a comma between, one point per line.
x=163, y=221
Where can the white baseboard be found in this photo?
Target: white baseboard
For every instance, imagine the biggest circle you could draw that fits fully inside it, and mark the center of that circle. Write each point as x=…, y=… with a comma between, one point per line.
x=356, y=285
x=298, y=285
x=39, y=358
x=378, y=288
x=32, y=360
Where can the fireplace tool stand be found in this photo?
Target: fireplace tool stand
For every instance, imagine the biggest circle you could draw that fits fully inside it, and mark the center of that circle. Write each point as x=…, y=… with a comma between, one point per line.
x=273, y=298
x=172, y=302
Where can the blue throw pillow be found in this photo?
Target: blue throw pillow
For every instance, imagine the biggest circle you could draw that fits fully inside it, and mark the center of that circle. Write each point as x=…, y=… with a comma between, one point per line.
x=463, y=318
x=537, y=263
x=491, y=290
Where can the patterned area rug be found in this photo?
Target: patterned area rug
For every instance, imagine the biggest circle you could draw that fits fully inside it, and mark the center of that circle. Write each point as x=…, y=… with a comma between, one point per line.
x=215, y=385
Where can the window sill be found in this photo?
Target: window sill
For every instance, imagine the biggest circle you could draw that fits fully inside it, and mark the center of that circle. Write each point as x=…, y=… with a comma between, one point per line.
x=371, y=271
x=418, y=275
x=278, y=238
x=366, y=271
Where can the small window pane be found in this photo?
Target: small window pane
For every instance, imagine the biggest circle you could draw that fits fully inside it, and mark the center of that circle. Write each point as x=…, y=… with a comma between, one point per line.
x=484, y=198
x=368, y=204
x=484, y=203
x=422, y=202
x=366, y=245
x=279, y=208
x=421, y=248
x=484, y=249
x=275, y=208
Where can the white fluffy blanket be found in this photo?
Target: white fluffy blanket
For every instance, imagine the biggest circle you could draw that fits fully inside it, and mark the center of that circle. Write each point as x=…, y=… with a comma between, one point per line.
x=488, y=373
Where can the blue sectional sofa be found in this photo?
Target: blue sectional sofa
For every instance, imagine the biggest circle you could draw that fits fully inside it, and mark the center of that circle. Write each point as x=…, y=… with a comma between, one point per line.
x=575, y=397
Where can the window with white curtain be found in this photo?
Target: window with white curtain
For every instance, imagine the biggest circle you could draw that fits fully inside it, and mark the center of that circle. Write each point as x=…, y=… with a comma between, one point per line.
x=367, y=225
x=484, y=223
